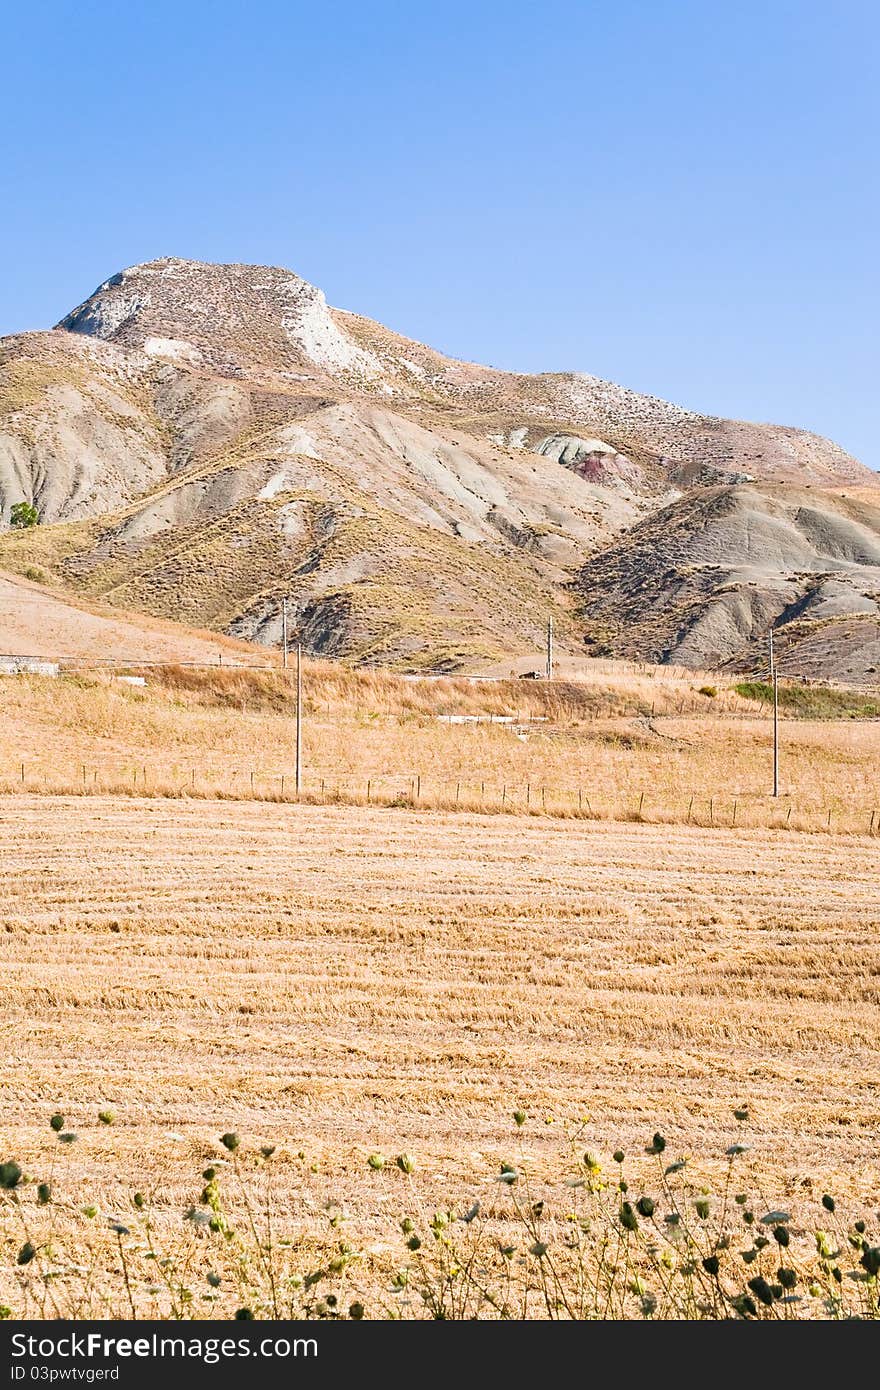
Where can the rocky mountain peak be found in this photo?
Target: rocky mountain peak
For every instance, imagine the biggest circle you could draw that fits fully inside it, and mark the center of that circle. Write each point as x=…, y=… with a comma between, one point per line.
x=227, y=316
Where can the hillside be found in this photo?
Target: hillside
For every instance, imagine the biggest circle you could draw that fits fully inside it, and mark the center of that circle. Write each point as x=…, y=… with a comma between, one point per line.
x=201, y=440
x=701, y=582
x=38, y=623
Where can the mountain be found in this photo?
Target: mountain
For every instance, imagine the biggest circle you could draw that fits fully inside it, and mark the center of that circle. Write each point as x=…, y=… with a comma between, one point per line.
x=201, y=440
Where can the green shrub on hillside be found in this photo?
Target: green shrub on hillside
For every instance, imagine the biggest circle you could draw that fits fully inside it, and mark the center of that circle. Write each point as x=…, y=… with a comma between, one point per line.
x=22, y=516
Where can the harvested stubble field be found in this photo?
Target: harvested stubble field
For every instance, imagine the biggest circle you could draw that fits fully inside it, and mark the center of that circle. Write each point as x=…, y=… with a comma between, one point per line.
x=342, y=981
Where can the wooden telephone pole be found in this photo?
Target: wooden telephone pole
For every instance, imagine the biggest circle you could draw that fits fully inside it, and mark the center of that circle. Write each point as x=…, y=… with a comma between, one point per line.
x=549, y=649
x=775, y=679
x=299, y=689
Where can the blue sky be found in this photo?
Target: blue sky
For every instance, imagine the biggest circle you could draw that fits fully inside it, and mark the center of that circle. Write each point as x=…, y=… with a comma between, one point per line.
x=682, y=197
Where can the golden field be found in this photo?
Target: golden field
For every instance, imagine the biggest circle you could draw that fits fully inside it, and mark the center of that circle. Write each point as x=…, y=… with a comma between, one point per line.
x=341, y=980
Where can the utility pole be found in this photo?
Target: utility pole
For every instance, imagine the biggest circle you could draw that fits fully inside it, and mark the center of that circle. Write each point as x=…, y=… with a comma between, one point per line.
x=549, y=649
x=298, y=717
x=284, y=629
x=774, y=676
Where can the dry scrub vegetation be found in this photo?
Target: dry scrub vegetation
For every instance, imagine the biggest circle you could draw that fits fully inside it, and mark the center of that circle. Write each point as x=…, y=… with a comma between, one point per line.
x=345, y=986
x=623, y=744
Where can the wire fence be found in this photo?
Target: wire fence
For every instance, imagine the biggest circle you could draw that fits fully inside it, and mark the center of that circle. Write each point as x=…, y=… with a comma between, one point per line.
x=413, y=791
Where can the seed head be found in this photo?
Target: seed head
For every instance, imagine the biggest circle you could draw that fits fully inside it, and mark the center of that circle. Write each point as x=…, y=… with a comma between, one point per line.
x=10, y=1175
x=627, y=1217
x=761, y=1289
x=870, y=1260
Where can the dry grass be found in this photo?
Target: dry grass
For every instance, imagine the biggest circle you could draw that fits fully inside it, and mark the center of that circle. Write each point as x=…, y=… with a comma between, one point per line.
x=624, y=744
x=339, y=981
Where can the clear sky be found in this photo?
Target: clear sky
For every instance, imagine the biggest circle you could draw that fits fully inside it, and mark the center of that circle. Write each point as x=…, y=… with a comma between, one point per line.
x=680, y=195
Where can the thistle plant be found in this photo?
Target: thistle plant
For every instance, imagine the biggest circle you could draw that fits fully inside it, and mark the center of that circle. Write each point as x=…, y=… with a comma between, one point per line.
x=644, y=1236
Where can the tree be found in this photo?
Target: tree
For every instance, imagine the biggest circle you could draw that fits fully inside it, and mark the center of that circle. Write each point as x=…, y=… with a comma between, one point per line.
x=23, y=515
